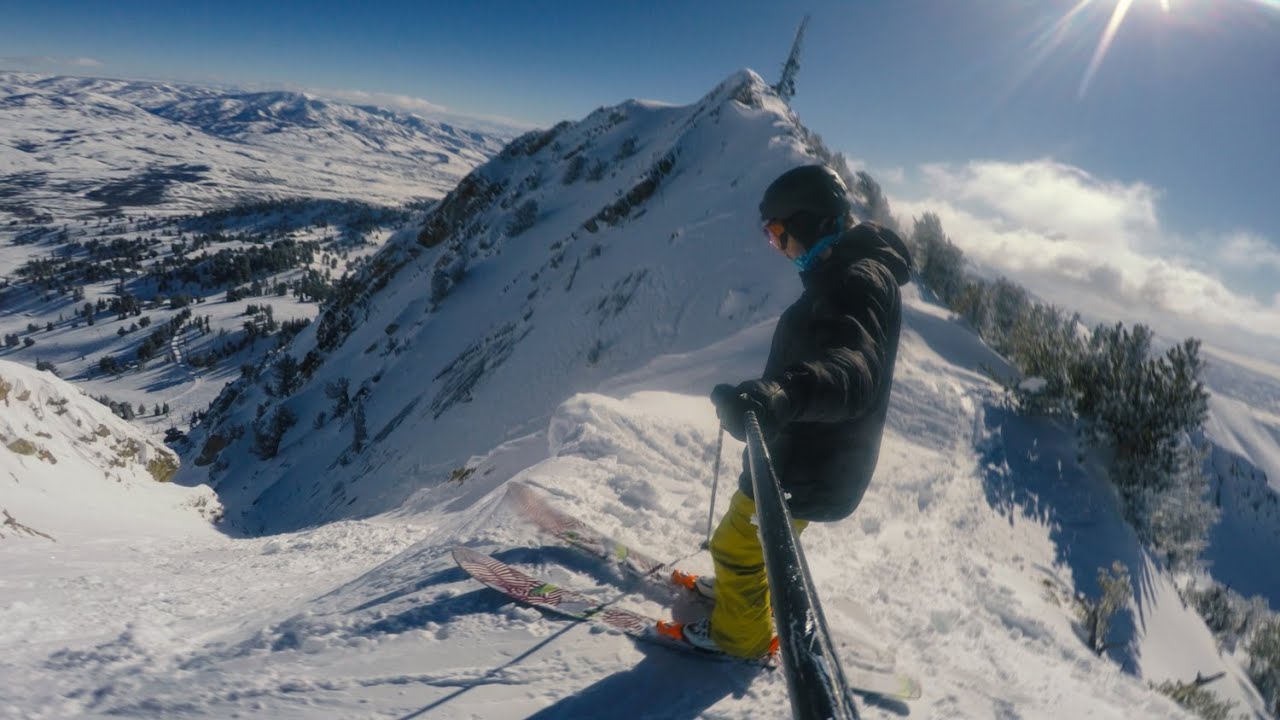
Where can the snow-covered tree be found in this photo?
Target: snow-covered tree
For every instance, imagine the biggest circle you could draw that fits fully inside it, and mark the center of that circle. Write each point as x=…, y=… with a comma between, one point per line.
x=1096, y=614
x=1194, y=697
x=1232, y=617
x=1173, y=510
x=1264, y=664
x=941, y=263
x=1147, y=411
x=866, y=189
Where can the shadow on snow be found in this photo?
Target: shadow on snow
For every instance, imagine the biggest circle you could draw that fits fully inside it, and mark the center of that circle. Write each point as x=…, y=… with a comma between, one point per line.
x=1031, y=470
x=691, y=685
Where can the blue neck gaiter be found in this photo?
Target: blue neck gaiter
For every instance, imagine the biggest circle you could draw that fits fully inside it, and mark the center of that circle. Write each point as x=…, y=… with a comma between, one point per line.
x=810, y=259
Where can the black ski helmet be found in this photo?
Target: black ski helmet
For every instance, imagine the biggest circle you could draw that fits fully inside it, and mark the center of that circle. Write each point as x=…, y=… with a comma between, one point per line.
x=806, y=196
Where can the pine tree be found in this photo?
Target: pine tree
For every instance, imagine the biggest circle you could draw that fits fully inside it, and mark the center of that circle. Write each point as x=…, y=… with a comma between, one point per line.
x=524, y=218
x=337, y=391
x=286, y=375
x=1097, y=614
x=572, y=173
x=1264, y=664
x=941, y=263
x=1176, y=514
x=877, y=205
x=360, y=431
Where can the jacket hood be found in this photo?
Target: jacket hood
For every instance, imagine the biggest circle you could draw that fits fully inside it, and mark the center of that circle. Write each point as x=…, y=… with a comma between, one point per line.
x=869, y=240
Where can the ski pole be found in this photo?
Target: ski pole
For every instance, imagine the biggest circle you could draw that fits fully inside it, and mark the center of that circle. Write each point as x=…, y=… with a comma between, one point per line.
x=715, y=482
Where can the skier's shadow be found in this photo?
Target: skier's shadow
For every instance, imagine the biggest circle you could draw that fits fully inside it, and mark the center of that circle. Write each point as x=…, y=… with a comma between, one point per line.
x=665, y=684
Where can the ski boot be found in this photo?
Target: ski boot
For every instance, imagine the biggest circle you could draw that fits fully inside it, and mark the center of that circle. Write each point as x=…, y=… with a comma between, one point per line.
x=701, y=585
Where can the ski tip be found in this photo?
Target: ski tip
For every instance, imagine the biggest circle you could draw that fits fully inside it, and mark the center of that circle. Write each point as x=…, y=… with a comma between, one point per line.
x=524, y=496
x=462, y=554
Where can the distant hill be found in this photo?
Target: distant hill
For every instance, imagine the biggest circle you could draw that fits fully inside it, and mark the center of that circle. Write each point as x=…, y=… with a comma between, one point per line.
x=74, y=146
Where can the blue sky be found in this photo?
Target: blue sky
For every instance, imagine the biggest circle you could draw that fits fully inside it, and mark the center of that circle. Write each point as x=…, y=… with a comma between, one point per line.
x=1179, y=119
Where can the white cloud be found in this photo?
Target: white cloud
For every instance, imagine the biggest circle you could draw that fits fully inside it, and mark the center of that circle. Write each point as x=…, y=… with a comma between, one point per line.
x=1246, y=250
x=46, y=62
x=387, y=100
x=1098, y=246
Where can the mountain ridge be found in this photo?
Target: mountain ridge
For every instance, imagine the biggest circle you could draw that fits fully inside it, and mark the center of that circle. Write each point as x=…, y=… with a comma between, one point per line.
x=646, y=160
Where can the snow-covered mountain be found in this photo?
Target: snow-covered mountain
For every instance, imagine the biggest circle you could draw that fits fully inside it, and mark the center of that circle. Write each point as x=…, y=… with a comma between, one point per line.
x=578, y=252
x=73, y=146
x=558, y=320
x=154, y=179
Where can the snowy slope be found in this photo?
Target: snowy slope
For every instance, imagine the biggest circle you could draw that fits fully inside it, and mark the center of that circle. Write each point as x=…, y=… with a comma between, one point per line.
x=72, y=146
x=69, y=467
x=953, y=562
x=95, y=163
x=1244, y=428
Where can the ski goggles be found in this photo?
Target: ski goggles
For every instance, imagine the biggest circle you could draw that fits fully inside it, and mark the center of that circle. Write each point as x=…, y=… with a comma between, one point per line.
x=775, y=232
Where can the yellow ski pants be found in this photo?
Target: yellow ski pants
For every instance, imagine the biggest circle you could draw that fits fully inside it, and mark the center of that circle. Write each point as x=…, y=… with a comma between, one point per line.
x=741, y=622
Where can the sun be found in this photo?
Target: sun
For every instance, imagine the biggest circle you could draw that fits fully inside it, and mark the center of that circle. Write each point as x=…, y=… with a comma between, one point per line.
x=1118, y=14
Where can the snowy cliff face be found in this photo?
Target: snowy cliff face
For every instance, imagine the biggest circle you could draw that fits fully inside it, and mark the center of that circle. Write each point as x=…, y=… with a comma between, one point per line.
x=69, y=466
x=71, y=146
x=577, y=253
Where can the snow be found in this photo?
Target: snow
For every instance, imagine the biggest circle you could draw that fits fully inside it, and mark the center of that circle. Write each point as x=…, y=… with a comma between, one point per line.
x=72, y=468
x=371, y=619
x=587, y=381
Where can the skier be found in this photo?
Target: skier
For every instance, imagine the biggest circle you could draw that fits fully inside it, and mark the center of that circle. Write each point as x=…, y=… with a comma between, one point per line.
x=822, y=399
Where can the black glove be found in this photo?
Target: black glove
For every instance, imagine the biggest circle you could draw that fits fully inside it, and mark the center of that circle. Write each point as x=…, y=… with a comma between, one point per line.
x=763, y=397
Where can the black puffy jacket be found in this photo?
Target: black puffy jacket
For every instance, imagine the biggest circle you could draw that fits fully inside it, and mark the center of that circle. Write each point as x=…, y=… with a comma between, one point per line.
x=833, y=353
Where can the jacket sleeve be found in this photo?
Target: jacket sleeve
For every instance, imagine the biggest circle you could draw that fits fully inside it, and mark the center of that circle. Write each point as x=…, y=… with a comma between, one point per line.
x=852, y=331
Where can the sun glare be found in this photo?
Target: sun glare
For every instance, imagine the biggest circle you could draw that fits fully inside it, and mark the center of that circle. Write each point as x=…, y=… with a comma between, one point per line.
x=1104, y=44
x=1118, y=15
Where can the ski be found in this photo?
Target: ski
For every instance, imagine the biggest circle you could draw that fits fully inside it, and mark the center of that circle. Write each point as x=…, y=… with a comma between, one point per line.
x=521, y=587
x=575, y=533
x=578, y=534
